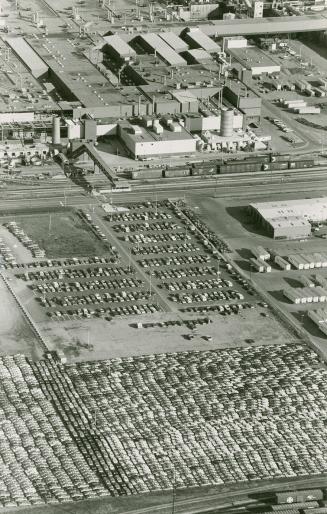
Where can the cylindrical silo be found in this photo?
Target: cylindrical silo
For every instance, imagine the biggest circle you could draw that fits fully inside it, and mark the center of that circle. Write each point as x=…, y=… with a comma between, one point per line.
x=227, y=118
x=56, y=130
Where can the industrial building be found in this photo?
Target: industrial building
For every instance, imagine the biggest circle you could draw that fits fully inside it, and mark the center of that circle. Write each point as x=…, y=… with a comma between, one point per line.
x=155, y=44
x=255, y=60
x=245, y=100
x=118, y=48
x=28, y=56
x=174, y=41
x=291, y=219
x=154, y=139
x=198, y=56
x=198, y=39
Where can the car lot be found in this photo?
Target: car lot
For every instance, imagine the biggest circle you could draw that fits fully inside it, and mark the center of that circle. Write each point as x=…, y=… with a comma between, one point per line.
x=186, y=255
x=159, y=256
x=83, y=288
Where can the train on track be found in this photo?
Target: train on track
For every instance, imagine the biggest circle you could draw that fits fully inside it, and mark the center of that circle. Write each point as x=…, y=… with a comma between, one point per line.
x=268, y=162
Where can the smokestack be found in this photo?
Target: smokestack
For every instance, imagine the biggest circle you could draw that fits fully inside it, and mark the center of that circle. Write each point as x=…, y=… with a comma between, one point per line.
x=56, y=130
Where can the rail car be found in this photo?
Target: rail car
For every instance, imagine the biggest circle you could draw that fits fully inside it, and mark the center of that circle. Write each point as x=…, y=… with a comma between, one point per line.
x=269, y=162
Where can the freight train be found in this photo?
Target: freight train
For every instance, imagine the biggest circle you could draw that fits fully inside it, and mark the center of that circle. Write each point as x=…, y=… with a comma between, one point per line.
x=269, y=162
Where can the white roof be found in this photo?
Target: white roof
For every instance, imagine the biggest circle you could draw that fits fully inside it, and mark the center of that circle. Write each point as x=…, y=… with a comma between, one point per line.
x=174, y=41
x=314, y=209
x=164, y=50
x=201, y=39
x=120, y=45
x=29, y=57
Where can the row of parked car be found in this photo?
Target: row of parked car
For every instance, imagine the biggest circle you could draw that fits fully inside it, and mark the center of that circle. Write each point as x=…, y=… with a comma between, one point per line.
x=95, y=298
x=189, y=323
x=96, y=229
x=171, y=249
x=197, y=284
x=19, y=233
x=147, y=227
x=174, y=261
x=228, y=308
x=162, y=237
x=78, y=273
x=105, y=312
x=145, y=215
x=89, y=285
x=194, y=271
x=67, y=262
x=206, y=296
x=6, y=255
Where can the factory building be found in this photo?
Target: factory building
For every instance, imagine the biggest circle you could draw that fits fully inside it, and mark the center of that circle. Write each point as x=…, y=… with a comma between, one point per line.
x=117, y=48
x=291, y=219
x=174, y=41
x=28, y=56
x=245, y=101
x=234, y=42
x=198, y=56
x=211, y=120
x=155, y=140
x=153, y=43
x=198, y=39
x=254, y=60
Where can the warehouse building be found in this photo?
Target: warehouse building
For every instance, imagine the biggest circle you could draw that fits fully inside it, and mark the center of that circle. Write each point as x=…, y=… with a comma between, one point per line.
x=155, y=140
x=118, y=48
x=198, y=39
x=291, y=219
x=153, y=43
x=28, y=56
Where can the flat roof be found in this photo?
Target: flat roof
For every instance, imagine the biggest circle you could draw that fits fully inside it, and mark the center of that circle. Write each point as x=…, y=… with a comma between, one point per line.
x=288, y=222
x=189, y=77
x=121, y=47
x=67, y=60
x=271, y=25
x=146, y=135
x=252, y=56
x=163, y=49
x=288, y=204
x=307, y=208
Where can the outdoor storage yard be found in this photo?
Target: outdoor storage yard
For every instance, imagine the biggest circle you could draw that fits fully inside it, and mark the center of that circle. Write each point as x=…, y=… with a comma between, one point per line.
x=137, y=425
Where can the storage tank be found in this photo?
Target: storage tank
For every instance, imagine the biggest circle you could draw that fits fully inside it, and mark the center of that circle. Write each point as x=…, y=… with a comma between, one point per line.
x=56, y=130
x=227, y=118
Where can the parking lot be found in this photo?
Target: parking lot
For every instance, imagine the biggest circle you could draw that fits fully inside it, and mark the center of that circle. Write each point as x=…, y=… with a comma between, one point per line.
x=182, y=257
x=156, y=256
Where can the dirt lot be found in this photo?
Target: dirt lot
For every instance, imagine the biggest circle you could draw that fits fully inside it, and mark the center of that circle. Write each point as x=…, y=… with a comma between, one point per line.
x=61, y=235
x=16, y=336
x=90, y=340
